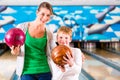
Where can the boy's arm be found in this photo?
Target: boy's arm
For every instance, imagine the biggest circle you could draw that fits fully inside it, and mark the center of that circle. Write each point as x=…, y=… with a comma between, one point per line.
x=76, y=68
x=57, y=74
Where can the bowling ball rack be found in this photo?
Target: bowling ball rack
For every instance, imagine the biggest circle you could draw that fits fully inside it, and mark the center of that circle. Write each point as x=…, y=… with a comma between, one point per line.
x=3, y=48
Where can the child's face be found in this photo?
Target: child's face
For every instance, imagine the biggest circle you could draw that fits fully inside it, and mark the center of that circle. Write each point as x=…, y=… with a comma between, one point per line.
x=63, y=39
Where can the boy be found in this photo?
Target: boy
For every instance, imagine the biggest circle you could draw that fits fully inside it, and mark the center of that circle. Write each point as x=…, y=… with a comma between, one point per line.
x=72, y=69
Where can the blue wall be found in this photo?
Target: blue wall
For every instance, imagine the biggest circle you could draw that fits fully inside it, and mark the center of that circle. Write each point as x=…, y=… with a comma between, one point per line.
x=85, y=21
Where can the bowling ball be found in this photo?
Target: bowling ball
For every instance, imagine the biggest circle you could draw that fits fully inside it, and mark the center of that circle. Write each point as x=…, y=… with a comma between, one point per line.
x=14, y=37
x=58, y=53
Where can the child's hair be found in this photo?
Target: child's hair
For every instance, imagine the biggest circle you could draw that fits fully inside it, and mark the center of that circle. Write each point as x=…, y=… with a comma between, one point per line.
x=65, y=30
x=47, y=6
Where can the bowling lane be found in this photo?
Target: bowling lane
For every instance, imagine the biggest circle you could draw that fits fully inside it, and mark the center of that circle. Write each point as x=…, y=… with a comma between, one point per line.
x=100, y=71
x=118, y=49
x=109, y=55
x=7, y=66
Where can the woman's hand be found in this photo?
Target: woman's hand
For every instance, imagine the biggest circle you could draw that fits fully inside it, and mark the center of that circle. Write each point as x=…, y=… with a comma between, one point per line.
x=15, y=50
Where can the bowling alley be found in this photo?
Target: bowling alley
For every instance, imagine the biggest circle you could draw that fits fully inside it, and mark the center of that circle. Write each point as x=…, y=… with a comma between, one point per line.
x=95, y=26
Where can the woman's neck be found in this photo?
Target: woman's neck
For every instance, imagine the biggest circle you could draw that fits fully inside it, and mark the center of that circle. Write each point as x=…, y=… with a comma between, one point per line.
x=37, y=25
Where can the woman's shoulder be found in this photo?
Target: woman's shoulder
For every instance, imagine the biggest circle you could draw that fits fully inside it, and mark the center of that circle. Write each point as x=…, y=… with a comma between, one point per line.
x=49, y=33
x=48, y=30
x=23, y=24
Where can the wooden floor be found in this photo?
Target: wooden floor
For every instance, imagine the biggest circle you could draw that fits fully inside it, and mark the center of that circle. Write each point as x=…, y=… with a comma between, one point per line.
x=7, y=65
x=97, y=69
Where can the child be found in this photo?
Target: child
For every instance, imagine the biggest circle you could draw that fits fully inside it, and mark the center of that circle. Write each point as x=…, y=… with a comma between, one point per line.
x=72, y=69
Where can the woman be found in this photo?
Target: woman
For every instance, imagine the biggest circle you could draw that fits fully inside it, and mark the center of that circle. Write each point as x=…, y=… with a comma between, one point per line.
x=34, y=56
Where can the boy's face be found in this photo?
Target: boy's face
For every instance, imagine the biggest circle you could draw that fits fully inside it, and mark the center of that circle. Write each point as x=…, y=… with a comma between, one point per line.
x=63, y=39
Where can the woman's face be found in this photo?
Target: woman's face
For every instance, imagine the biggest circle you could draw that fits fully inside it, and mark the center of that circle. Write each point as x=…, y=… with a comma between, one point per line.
x=43, y=15
x=63, y=39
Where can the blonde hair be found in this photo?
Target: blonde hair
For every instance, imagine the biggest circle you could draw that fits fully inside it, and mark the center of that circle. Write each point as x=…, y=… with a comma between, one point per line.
x=47, y=6
x=65, y=30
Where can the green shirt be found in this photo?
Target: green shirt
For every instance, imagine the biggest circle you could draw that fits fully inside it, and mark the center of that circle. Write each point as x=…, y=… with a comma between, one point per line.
x=35, y=55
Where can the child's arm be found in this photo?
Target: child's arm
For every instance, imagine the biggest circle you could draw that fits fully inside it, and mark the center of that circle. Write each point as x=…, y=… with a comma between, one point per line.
x=75, y=68
x=57, y=74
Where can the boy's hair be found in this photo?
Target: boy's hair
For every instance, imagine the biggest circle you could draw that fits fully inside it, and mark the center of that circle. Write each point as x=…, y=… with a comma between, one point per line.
x=65, y=30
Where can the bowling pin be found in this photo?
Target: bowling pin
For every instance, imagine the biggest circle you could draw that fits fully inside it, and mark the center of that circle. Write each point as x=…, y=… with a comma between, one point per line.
x=2, y=8
x=101, y=16
x=97, y=28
